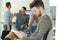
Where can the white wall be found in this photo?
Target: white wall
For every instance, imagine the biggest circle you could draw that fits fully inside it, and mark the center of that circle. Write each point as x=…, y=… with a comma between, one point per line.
x=2, y=9
x=46, y=2
x=1, y=15
x=17, y=4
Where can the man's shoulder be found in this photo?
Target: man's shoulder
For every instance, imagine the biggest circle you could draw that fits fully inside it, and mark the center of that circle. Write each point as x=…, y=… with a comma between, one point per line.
x=6, y=13
x=18, y=14
x=46, y=17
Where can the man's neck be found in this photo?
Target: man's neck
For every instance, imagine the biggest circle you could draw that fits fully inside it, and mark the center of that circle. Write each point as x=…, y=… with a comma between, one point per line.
x=43, y=13
x=8, y=9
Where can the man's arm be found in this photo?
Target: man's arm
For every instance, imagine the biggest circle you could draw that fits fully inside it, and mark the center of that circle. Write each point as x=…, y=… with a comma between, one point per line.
x=13, y=15
x=31, y=20
x=22, y=26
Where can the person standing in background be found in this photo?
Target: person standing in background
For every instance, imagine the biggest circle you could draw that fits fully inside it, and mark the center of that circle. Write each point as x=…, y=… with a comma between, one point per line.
x=8, y=20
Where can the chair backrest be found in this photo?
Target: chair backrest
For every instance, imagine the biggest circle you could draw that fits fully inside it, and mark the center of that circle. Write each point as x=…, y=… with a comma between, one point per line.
x=44, y=37
x=50, y=35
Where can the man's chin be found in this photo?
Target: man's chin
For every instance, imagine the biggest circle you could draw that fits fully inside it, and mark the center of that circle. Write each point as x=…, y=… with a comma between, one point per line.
x=38, y=15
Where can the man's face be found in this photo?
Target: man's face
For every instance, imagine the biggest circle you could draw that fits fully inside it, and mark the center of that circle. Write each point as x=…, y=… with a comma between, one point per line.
x=10, y=6
x=36, y=11
x=23, y=10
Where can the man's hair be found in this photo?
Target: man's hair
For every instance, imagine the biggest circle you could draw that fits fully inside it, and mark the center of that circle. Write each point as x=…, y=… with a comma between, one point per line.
x=24, y=8
x=7, y=4
x=37, y=3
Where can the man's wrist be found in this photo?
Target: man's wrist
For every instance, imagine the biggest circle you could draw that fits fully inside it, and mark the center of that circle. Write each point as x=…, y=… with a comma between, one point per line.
x=28, y=25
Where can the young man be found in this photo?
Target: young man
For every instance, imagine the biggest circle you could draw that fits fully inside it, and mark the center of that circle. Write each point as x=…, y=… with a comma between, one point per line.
x=21, y=22
x=44, y=22
x=22, y=19
x=8, y=20
x=8, y=17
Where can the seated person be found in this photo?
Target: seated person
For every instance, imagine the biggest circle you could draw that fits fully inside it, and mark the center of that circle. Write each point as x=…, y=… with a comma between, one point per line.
x=44, y=22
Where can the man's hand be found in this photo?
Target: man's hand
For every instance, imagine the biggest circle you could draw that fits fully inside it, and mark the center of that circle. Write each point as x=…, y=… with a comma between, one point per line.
x=13, y=15
x=28, y=28
x=22, y=26
x=8, y=29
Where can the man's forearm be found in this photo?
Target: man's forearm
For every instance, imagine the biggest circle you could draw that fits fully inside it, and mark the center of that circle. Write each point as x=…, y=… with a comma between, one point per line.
x=31, y=21
x=13, y=15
